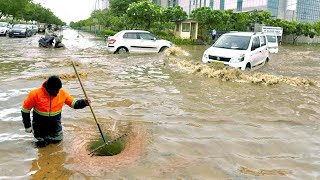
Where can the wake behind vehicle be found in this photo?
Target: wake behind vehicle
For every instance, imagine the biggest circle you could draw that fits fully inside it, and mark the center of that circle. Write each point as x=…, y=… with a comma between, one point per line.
x=20, y=30
x=55, y=42
x=136, y=41
x=242, y=50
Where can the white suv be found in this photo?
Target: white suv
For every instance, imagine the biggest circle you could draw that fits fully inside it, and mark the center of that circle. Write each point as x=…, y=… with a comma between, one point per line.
x=242, y=50
x=132, y=41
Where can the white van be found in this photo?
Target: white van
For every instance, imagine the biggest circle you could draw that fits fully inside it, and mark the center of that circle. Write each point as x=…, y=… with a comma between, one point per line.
x=272, y=43
x=242, y=50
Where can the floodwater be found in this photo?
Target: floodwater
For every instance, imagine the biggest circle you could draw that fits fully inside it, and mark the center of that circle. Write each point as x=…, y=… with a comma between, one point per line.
x=184, y=120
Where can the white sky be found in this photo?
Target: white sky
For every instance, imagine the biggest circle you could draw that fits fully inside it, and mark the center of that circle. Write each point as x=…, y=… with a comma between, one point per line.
x=69, y=10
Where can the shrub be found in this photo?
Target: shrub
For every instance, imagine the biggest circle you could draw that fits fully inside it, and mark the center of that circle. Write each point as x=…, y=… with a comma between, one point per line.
x=109, y=32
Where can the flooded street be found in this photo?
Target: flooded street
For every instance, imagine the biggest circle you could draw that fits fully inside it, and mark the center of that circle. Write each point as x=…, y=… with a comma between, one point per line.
x=184, y=121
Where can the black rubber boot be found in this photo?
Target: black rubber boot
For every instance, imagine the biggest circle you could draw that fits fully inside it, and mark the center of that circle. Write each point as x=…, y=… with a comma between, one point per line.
x=41, y=144
x=54, y=141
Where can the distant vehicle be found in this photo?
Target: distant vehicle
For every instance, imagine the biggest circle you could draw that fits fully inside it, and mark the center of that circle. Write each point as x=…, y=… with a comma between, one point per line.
x=4, y=28
x=273, y=46
x=54, y=43
x=242, y=50
x=41, y=28
x=136, y=41
x=35, y=29
x=20, y=30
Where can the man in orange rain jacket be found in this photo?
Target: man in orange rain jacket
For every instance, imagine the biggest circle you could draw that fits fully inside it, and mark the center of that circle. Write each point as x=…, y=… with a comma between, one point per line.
x=47, y=102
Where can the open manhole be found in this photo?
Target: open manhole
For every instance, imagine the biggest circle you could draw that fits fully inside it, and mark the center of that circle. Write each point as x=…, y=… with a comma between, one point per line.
x=114, y=146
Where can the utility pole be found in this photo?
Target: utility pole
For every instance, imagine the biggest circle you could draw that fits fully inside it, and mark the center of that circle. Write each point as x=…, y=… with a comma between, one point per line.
x=95, y=20
x=292, y=15
x=189, y=7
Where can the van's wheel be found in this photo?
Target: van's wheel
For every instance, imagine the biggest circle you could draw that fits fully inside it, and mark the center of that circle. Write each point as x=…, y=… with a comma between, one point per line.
x=248, y=67
x=267, y=60
x=121, y=50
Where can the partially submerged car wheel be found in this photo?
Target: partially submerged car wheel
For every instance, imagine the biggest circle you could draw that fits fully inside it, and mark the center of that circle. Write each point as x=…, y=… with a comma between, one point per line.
x=163, y=49
x=122, y=50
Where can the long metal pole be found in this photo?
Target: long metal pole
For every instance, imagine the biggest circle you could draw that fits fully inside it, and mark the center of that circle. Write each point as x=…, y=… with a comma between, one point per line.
x=85, y=94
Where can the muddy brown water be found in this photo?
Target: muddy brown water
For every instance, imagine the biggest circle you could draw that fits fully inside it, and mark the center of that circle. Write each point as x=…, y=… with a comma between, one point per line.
x=184, y=121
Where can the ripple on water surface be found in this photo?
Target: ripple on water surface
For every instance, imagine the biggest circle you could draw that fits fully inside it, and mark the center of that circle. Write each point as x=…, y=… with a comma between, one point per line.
x=138, y=138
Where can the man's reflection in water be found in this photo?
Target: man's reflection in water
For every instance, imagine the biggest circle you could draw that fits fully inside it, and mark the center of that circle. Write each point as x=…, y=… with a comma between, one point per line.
x=50, y=163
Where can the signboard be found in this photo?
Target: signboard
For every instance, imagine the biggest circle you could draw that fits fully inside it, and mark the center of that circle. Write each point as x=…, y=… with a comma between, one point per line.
x=272, y=30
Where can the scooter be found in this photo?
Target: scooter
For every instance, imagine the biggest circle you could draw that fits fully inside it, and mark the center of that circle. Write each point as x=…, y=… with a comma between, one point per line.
x=55, y=42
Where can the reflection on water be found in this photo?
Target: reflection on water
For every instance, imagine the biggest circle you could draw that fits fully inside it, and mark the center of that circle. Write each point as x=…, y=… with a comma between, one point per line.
x=185, y=120
x=50, y=163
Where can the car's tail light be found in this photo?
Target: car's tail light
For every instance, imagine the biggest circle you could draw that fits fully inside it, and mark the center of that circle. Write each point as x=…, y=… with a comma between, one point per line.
x=112, y=41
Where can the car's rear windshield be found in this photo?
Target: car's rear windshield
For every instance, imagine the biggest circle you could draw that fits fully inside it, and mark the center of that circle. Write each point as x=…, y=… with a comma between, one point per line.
x=20, y=26
x=271, y=38
x=117, y=34
x=233, y=42
x=3, y=24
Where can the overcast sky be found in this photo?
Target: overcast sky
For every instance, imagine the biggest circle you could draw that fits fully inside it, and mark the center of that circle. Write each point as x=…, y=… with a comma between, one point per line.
x=69, y=10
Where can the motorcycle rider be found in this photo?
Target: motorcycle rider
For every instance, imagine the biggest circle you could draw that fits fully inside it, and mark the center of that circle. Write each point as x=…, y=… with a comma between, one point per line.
x=49, y=34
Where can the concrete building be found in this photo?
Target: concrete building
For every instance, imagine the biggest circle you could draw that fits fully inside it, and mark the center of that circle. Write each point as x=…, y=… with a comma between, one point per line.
x=298, y=10
x=166, y=3
x=102, y=4
x=105, y=4
x=308, y=10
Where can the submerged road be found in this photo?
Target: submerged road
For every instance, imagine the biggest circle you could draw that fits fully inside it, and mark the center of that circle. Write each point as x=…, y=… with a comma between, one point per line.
x=183, y=121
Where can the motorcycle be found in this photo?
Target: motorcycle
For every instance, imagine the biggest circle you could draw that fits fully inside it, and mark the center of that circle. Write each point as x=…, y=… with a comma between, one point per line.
x=55, y=42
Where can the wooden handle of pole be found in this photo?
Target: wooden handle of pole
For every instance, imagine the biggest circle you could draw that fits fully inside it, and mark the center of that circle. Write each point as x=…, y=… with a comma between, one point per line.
x=85, y=94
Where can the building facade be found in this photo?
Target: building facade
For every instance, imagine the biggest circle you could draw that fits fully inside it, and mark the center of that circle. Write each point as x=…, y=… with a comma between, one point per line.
x=308, y=10
x=298, y=10
x=105, y=4
x=102, y=4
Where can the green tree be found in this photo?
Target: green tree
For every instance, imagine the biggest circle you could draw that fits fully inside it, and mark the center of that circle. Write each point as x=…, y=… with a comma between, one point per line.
x=103, y=16
x=32, y=12
x=173, y=13
x=207, y=21
x=13, y=7
x=119, y=7
x=230, y=21
x=143, y=14
x=316, y=27
x=275, y=22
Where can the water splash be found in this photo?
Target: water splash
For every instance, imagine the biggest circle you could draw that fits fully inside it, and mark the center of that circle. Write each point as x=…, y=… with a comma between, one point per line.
x=264, y=172
x=176, y=59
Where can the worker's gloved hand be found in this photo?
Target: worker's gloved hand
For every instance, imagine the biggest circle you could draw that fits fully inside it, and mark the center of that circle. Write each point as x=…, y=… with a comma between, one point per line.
x=28, y=130
x=87, y=101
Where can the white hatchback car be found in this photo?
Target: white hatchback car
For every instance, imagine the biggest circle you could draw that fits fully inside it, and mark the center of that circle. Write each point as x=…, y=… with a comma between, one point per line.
x=242, y=50
x=136, y=41
x=4, y=28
